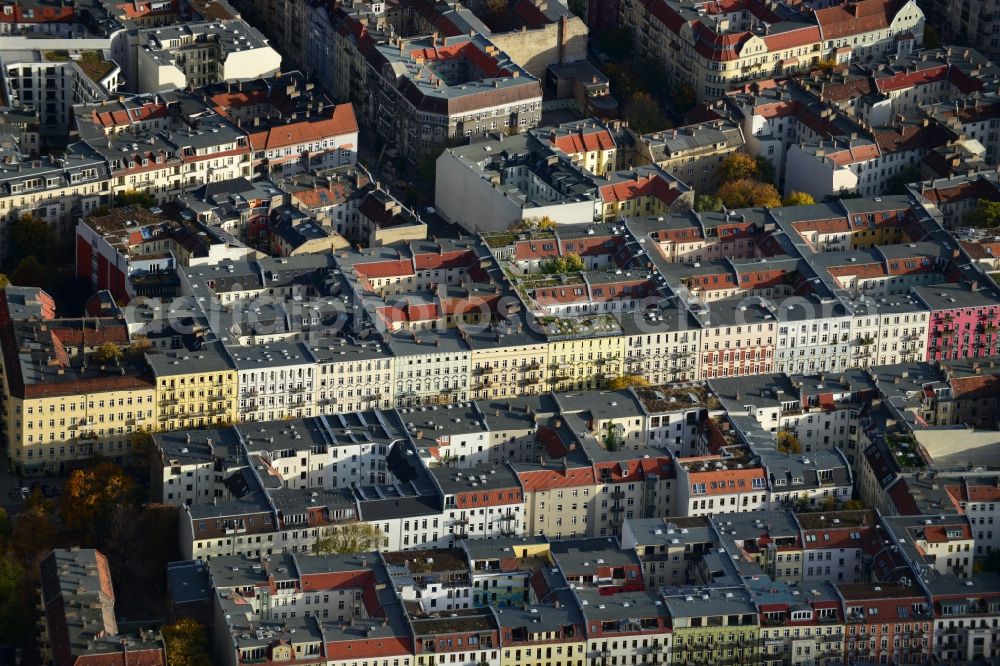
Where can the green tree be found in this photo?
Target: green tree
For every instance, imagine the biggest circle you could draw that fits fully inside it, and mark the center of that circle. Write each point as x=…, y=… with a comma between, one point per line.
x=737, y=166
x=14, y=621
x=626, y=381
x=135, y=198
x=644, y=114
x=5, y=525
x=854, y=505
x=569, y=263
x=683, y=98
x=546, y=223
x=108, y=354
x=788, y=442
x=897, y=184
x=798, y=199
x=708, y=203
x=615, y=42
x=348, y=538
x=30, y=237
x=932, y=38
x=30, y=273
x=186, y=642
x=747, y=192
x=427, y=167
x=4, y=282
x=32, y=534
x=765, y=170
x=985, y=215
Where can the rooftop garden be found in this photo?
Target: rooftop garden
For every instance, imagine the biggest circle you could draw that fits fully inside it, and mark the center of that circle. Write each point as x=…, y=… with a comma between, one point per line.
x=905, y=451
x=92, y=63
x=672, y=396
x=590, y=325
x=532, y=227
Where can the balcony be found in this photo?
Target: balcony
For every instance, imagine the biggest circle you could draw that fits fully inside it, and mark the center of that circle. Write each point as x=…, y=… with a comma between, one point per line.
x=618, y=495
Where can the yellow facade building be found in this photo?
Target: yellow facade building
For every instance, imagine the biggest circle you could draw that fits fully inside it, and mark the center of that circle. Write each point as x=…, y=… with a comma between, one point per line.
x=71, y=390
x=194, y=388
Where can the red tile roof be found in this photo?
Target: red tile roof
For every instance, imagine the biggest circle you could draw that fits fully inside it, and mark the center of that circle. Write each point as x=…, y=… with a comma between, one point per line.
x=584, y=141
x=856, y=17
x=341, y=122
x=547, y=479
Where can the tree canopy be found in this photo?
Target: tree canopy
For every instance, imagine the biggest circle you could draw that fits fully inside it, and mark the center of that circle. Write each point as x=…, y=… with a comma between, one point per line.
x=788, y=442
x=569, y=263
x=92, y=494
x=135, y=198
x=626, y=381
x=644, y=114
x=349, y=538
x=737, y=167
x=985, y=215
x=108, y=353
x=30, y=237
x=746, y=192
x=186, y=642
x=798, y=199
x=708, y=203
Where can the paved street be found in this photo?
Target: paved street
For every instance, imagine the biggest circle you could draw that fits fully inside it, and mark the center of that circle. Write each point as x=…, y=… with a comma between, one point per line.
x=10, y=487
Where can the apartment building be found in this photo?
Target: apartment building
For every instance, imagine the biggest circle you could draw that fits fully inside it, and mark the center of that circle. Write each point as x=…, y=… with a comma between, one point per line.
x=712, y=50
x=964, y=320
x=532, y=177
x=161, y=144
x=451, y=87
x=693, y=153
x=715, y=625
x=837, y=545
x=276, y=381
x=291, y=128
x=589, y=143
x=77, y=604
x=194, y=388
x=50, y=83
x=66, y=400
x=198, y=54
x=55, y=191
x=972, y=20
x=117, y=251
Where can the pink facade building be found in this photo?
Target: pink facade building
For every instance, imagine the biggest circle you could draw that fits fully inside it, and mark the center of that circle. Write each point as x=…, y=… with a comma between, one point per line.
x=964, y=320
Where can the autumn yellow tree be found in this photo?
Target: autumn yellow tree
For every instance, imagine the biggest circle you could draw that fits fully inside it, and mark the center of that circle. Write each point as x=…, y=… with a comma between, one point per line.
x=91, y=495
x=186, y=642
x=788, y=442
x=137, y=350
x=626, y=381
x=737, y=167
x=798, y=199
x=108, y=353
x=747, y=192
